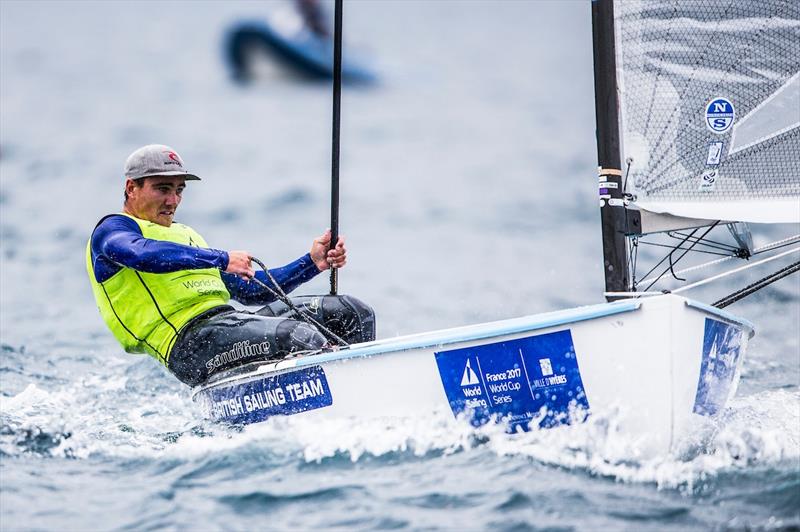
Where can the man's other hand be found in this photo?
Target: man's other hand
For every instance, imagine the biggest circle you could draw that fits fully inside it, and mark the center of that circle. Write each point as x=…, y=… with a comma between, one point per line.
x=324, y=258
x=239, y=264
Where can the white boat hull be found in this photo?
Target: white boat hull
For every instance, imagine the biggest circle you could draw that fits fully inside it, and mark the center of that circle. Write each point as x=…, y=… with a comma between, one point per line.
x=662, y=361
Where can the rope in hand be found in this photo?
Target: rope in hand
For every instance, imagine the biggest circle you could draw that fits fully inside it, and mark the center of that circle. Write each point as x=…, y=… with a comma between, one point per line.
x=283, y=298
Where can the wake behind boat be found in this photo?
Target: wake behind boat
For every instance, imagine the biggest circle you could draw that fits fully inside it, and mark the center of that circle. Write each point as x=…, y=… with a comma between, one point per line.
x=696, y=101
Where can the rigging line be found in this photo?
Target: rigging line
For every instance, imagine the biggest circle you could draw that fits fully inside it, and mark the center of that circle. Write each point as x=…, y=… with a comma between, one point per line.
x=632, y=248
x=705, y=242
x=634, y=294
x=708, y=242
x=735, y=270
x=661, y=261
x=672, y=269
x=635, y=260
x=678, y=247
x=632, y=278
x=629, y=160
x=281, y=296
x=728, y=250
x=707, y=248
x=761, y=283
x=699, y=266
x=758, y=285
x=687, y=250
x=763, y=249
x=777, y=244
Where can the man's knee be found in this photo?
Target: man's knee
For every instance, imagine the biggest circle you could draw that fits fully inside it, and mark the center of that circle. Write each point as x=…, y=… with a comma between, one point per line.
x=354, y=319
x=346, y=316
x=234, y=339
x=292, y=336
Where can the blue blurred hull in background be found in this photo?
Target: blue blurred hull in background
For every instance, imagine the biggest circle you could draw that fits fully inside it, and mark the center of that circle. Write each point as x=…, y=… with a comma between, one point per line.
x=302, y=51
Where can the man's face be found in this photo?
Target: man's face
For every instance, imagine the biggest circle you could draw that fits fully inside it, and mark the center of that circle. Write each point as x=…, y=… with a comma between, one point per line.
x=156, y=200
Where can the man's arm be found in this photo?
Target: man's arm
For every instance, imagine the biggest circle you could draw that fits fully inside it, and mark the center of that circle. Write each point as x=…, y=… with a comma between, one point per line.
x=118, y=242
x=288, y=278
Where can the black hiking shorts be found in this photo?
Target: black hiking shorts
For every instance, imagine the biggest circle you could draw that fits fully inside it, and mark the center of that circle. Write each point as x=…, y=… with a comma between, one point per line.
x=224, y=338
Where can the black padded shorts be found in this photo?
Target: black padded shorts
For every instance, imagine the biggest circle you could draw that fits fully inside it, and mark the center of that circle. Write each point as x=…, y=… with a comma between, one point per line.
x=223, y=337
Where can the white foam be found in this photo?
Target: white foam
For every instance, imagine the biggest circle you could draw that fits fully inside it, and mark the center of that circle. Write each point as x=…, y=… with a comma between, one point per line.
x=98, y=417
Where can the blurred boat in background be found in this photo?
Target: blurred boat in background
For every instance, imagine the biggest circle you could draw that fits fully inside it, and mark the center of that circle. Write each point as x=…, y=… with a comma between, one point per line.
x=286, y=39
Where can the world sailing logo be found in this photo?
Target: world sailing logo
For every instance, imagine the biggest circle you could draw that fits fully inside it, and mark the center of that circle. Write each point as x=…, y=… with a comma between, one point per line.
x=471, y=388
x=469, y=378
x=720, y=115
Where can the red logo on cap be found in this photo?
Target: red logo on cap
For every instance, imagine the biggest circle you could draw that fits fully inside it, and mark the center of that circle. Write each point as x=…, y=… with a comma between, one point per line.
x=174, y=157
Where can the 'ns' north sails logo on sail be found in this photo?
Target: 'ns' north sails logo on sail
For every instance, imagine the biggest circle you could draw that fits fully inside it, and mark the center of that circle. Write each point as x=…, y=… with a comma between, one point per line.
x=470, y=378
x=719, y=115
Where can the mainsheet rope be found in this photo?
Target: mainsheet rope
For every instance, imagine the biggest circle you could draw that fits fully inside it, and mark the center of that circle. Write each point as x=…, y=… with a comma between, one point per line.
x=281, y=296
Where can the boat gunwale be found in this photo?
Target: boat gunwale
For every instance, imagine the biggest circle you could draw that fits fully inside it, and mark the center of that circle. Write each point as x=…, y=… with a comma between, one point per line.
x=438, y=338
x=481, y=331
x=722, y=314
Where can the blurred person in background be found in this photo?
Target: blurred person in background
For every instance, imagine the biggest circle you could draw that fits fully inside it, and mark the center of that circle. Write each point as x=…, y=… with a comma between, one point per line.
x=162, y=291
x=314, y=17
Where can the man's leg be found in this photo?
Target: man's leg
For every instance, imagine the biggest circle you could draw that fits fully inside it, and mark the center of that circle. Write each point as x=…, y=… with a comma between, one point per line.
x=346, y=316
x=231, y=338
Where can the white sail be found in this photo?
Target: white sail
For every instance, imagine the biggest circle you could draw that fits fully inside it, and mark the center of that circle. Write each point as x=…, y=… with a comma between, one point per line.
x=710, y=107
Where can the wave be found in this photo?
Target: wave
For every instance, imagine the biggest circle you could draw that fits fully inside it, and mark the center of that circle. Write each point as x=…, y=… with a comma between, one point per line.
x=108, y=417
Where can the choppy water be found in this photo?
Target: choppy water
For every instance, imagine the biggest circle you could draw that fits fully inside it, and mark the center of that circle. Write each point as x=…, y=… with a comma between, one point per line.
x=467, y=195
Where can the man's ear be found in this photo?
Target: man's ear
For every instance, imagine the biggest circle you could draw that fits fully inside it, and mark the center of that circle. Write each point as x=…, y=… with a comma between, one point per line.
x=130, y=186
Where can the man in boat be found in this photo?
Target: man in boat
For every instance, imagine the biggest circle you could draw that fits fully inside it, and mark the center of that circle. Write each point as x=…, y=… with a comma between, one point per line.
x=314, y=17
x=162, y=291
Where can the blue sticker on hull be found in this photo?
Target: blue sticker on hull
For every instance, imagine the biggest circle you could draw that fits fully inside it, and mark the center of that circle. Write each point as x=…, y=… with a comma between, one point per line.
x=515, y=380
x=721, y=351
x=283, y=394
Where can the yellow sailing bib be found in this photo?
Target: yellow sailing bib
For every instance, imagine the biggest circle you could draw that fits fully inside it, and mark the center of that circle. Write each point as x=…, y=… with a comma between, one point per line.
x=145, y=311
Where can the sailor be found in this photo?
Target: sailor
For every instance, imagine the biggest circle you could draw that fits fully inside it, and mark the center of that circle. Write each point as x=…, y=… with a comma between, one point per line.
x=314, y=17
x=162, y=291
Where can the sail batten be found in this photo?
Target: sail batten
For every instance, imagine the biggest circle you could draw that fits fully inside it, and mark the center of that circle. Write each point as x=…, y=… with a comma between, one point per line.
x=709, y=96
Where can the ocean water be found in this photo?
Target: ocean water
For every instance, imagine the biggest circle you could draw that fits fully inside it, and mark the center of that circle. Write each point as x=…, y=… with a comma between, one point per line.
x=467, y=195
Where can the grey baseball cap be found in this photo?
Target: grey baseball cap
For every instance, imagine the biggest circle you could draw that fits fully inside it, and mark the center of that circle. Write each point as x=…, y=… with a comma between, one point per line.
x=154, y=160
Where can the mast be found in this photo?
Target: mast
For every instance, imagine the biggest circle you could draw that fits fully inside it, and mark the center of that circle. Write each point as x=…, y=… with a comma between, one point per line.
x=612, y=209
x=335, y=129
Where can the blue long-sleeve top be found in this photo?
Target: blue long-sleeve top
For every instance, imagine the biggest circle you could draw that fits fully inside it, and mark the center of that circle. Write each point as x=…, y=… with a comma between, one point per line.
x=118, y=242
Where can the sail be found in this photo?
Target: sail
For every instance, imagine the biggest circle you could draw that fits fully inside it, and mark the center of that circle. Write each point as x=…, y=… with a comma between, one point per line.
x=709, y=96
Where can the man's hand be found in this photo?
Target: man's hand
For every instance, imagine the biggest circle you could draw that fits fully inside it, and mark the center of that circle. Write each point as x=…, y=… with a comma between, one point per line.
x=239, y=264
x=323, y=258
